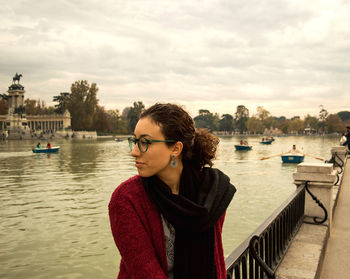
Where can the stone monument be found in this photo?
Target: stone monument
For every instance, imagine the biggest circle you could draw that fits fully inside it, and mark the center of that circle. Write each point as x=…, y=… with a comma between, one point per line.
x=16, y=118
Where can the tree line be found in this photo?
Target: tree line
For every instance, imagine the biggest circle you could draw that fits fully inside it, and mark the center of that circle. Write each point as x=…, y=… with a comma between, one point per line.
x=87, y=114
x=241, y=122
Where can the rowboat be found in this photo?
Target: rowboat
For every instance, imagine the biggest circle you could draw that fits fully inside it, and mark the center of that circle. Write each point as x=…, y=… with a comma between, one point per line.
x=266, y=142
x=243, y=147
x=46, y=150
x=296, y=159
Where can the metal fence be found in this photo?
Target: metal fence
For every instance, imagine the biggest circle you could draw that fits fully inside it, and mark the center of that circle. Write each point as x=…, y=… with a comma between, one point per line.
x=261, y=253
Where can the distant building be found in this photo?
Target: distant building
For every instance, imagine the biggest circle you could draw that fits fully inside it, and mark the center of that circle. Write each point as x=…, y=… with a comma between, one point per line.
x=17, y=125
x=273, y=131
x=309, y=131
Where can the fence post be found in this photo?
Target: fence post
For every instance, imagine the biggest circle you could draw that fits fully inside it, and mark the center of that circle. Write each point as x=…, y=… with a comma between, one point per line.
x=320, y=178
x=340, y=151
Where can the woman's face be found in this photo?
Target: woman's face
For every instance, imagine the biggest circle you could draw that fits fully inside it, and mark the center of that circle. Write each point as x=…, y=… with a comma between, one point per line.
x=155, y=161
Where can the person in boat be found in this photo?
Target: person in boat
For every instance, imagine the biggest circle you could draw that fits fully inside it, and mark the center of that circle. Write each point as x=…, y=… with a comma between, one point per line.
x=38, y=146
x=177, y=195
x=48, y=145
x=294, y=151
x=243, y=142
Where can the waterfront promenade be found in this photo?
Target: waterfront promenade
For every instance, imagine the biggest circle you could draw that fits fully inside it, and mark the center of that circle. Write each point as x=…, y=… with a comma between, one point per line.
x=336, y=259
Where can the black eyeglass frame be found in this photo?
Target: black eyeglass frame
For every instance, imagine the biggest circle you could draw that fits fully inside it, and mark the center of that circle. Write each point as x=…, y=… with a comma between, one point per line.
x=133, y=141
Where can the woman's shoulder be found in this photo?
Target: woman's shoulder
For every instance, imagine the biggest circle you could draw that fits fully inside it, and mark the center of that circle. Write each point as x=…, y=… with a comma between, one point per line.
x=131, y=185
x=128, y=190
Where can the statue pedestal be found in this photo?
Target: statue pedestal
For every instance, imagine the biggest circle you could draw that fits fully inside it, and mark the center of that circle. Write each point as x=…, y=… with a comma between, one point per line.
x=18, y=127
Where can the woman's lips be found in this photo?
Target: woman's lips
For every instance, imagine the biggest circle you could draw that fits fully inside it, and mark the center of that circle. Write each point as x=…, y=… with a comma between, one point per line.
x=139, y=164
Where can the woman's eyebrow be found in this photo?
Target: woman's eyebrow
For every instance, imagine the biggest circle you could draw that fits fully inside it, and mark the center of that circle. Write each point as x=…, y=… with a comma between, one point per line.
x=143, y=135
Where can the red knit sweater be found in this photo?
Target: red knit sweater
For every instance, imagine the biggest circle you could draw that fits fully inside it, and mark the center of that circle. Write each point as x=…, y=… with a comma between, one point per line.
x=138, y=233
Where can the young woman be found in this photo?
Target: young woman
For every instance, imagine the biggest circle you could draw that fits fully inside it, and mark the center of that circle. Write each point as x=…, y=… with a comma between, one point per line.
x=167, y=221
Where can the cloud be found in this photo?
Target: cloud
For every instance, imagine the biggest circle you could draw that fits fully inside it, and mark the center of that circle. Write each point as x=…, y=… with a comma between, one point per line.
x=288, y=56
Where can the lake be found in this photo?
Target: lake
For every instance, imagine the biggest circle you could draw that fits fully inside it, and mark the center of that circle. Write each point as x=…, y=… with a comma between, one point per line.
x=54, y=207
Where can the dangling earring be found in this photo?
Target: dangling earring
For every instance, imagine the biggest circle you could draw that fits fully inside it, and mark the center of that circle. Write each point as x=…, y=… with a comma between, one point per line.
x=173, y=162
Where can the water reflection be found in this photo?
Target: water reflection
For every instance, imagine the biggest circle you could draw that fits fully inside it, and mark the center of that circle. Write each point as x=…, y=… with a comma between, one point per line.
x=54, y=221
x=81, y=158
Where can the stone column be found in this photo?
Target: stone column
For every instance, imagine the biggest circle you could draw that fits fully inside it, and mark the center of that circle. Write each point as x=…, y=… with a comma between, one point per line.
x=321, y=177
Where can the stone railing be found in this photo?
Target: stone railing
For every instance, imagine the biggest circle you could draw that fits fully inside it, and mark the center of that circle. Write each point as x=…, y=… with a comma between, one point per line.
x=301, y=255
x=305, y=254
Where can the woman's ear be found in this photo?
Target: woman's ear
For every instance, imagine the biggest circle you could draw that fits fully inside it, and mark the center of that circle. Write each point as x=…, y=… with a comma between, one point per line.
x=177, y=148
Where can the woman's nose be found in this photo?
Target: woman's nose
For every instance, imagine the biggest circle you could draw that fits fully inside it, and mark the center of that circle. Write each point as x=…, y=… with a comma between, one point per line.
x=135, y=152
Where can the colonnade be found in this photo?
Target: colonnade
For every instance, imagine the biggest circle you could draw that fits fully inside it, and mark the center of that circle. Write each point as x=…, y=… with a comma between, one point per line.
x=49, y=125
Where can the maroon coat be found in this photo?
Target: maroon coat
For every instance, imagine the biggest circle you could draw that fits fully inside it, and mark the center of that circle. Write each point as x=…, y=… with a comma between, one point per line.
x=138, y=233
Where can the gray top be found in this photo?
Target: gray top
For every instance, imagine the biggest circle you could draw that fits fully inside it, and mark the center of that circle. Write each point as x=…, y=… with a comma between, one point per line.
x=169, y=235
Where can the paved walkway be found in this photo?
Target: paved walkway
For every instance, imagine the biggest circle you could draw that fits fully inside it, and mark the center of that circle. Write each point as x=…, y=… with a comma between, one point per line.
x=336, y=262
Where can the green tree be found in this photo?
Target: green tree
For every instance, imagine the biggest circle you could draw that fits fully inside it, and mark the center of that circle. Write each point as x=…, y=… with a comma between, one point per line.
x=241, y=118
x=277, y=122
x=264, y=116
x=344, y=115
x=296, y=125
x=255, y=125
x=83, y=105
x=262, y=113
x=63, y=102
x=31, y=106
x=322, y=116
x=226, y=123
x=118, y=124
x=284, y=126
x=207, y=120
x=4, y=106
x=37, y=107
x=311, y=122
x=101, y=123
x=133, y=115
x=334, y=124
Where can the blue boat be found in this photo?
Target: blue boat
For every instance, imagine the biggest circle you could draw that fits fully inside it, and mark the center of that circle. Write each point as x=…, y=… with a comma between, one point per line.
x=243, y=147
x=295, y=159
x=266, y=142
x=46, y=150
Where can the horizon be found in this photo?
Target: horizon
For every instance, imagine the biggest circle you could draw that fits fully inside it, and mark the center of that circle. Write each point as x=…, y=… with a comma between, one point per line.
x=192, y=113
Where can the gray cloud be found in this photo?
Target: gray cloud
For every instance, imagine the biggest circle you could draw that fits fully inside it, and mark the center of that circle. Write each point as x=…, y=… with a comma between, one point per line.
x=288, y=56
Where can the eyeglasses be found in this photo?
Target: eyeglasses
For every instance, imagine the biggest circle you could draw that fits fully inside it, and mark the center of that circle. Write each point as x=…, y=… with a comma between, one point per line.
x=143, y=143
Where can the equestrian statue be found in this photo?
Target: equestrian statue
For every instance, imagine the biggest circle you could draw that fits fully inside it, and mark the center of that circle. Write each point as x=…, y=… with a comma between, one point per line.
x=17, y=77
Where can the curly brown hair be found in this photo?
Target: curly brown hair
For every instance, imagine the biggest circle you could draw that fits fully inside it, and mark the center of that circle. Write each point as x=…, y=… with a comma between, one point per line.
x=199, y=146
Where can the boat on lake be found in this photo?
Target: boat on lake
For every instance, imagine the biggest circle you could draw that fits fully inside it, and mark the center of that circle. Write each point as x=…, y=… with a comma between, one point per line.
x=46, y=150
x=267, y=140
x=243, y=147
x=295, y=159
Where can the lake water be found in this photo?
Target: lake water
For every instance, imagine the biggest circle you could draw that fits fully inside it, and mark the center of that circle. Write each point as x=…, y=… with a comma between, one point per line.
x=54, y=207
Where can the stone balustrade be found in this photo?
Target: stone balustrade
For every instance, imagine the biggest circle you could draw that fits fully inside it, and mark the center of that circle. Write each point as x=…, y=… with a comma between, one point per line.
x=304, y=257
x=321, y=178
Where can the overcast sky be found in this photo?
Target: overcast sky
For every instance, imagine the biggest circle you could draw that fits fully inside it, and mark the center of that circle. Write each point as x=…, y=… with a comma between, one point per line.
x=288, y=56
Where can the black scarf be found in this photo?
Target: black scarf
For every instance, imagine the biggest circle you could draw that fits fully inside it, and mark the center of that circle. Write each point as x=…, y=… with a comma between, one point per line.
x=203, y=198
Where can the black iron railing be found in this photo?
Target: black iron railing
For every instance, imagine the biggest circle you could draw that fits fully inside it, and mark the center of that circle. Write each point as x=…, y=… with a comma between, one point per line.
x=261, y=253
x=337, y=161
